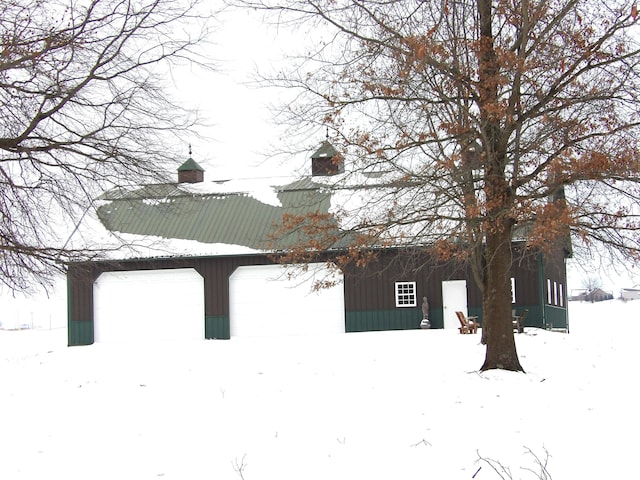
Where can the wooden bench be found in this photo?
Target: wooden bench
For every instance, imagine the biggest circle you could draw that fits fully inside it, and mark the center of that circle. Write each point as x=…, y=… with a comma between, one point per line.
x=467, y=324
x=518, y=321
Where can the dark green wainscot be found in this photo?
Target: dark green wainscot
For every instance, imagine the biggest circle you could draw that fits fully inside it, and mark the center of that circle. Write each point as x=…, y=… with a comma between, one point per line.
x=378, y=320
x=79, y=332
x=217, y=327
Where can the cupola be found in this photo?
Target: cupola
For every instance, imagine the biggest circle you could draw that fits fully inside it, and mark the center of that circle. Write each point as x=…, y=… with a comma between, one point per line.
x=190, y=171
x=326, y=161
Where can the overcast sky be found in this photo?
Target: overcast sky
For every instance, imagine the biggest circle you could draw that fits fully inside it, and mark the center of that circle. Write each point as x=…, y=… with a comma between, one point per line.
x=243, y=133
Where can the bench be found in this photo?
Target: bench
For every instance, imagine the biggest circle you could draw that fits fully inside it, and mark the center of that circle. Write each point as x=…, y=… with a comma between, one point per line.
x=518, y=321
x=467, y=325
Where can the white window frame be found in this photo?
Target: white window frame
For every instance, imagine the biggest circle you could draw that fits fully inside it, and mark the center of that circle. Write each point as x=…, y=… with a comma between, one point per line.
x=513, y=290
x=561, y=294
x=406, y=294
x=549, y=292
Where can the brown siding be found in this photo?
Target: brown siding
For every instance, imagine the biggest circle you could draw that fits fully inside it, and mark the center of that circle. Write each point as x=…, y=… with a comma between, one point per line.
x=525, y=272
x=555, y=270
x=80, y=290
x=190, y=176
x=216, y=272
x=554, y=267
x=373, y=288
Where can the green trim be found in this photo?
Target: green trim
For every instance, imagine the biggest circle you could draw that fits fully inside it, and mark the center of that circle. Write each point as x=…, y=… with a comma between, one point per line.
x=436, y=317
x=79, y=333
x=556, y=317
x=377, y=320
x=534, y=315
x=217, y=327
x=409, y=318
x=548, y=316
x=542, y=289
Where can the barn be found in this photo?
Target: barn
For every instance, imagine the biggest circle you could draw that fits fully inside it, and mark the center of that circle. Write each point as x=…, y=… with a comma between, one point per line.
x=199, y=264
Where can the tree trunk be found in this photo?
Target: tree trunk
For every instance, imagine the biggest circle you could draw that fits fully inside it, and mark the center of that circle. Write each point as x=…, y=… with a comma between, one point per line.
x=496, y=294
x=496, y=305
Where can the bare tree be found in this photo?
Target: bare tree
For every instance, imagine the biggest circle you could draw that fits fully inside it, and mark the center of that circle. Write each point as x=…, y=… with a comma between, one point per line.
x=84, y=108
x=485, y=120
x=591, y=282
x=538, y=471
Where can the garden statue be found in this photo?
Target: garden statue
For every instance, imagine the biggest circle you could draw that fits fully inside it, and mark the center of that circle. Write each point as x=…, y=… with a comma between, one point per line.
x=425, y=314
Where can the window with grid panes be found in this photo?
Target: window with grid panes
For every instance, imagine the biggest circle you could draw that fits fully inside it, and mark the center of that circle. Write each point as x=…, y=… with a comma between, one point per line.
x=406, y=294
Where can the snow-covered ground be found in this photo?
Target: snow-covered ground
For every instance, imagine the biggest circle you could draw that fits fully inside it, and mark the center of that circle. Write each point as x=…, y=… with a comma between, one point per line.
x=379, y=405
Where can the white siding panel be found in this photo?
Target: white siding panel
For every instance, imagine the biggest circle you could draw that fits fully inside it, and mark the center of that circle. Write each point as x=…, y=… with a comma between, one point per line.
x=264, y=302
x=149, y=305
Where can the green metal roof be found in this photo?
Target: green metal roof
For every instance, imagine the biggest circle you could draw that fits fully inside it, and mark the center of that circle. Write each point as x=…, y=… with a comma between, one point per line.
x=189, y=166
x=169, y=211
x=161, y=190
x=326, y=150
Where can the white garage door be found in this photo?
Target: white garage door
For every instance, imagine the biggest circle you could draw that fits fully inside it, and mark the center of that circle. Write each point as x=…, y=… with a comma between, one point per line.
x=145, y=305
x=264, y=302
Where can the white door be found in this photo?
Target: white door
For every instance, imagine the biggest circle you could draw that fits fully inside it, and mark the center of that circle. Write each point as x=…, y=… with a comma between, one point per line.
x=264, y=301
x=143, y=305
x=454, y=299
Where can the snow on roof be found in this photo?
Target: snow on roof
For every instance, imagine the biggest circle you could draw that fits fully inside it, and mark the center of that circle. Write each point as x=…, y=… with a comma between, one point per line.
x=231, y=217
x=92, y=235
x=262, y=189
x=157, y=247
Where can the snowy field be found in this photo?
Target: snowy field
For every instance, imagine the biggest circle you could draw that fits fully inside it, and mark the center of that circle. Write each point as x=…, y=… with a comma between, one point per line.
x=383, y=405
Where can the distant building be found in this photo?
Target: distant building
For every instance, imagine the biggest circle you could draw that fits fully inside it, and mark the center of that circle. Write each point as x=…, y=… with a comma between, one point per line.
x=594, y=295
x=630, y=293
